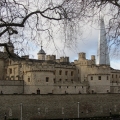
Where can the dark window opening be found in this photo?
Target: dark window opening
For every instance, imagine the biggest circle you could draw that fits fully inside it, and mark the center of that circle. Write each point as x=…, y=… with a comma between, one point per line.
x=112, y=75
x=60, y=72
x=54, y=80
x=91, y=78
x=28, y=79
x=10, y=70
x=71, y=73
x=66, y=72
x=99, y=77
x=47, y=79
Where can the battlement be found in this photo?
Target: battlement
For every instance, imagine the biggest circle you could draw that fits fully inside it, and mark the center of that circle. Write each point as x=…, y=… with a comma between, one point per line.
x=82, y=56
x=50, y=57
x=64, y=59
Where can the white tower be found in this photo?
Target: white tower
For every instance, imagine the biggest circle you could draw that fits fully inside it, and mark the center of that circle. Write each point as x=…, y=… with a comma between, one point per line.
x=102, y=53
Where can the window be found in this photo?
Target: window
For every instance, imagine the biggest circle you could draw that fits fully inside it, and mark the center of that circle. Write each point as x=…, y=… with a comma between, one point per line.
x=78, y=70
x=47, y=79
x=71, y=73
x=59, y=86
x=112, y=75
x=60, y=72
x=72, y=80
x=10, y=70
x=91, y=77
x=65, y=79
x=99, y=77
x=66, y=72
x=59, y=79
x=107, y=77
x=67, y=86
x=116, y=76
x=78, y=78
x=54, y=80
x=75, y=86
x=28, y=79
x=54, y=72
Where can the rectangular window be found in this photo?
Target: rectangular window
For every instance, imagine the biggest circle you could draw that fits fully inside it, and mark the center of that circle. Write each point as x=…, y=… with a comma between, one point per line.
x=72, y=80
x=116, y=76
x=60, y=80
x=78, y=70
x=54, y=80
x=10, y=71
x=99, y=77
x=112, y=75
x=47, y=79
x=28, y=79
x=91, y=77
x=66, y=72
x=54, y=72
x=107, y=77
x=65, y=79
x=60, y=72
x=71, y=73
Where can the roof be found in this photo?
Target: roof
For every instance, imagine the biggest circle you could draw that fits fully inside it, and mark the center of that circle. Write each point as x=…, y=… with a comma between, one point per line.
x=41, y=51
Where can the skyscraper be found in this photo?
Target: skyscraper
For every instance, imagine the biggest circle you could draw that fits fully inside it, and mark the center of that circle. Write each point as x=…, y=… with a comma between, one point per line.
x=102, y=53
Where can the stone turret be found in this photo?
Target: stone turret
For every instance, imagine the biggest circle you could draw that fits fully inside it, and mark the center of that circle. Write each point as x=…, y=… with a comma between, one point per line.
x=82, y=56
x=41, y=54
x=10, y=47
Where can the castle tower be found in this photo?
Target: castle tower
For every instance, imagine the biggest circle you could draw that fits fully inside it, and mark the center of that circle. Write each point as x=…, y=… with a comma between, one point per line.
x=10, y=47
x=102, y=53
x=41, y=54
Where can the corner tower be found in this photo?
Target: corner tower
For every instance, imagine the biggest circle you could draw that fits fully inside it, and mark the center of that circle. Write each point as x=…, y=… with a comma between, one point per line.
x=41, y=54
x=102, y=53
x=10, y=47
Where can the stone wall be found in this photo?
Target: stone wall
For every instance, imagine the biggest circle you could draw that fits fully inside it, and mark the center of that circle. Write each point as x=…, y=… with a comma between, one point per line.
x=58, y=106
x=11, y=86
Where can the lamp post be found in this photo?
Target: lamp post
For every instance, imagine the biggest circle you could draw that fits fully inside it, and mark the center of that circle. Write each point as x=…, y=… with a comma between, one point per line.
x=78, y=109
x=63, y=112
x=21, y=111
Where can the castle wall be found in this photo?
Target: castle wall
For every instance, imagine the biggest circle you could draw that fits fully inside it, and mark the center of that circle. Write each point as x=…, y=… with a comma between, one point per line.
x=11, y=87
x=2, y=69
x=59, y=106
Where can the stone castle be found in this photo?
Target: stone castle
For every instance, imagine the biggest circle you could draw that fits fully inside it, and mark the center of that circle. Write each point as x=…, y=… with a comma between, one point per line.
x=48, y=75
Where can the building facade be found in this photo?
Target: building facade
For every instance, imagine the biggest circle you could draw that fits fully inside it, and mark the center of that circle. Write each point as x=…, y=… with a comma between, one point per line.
x=48, y=75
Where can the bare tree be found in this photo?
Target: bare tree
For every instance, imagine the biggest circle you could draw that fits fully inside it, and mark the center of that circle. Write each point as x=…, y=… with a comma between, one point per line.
x=26, y=19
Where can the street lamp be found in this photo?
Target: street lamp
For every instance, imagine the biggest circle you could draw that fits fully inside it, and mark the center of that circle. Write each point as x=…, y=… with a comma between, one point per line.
x=21, y=110
x=63, y=112
x=78, y=109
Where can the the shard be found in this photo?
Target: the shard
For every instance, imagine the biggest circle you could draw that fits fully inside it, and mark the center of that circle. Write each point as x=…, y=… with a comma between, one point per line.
x=102, y=53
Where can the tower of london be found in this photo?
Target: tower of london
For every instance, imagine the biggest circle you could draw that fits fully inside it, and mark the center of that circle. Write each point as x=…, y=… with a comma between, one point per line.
x=48, y=75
